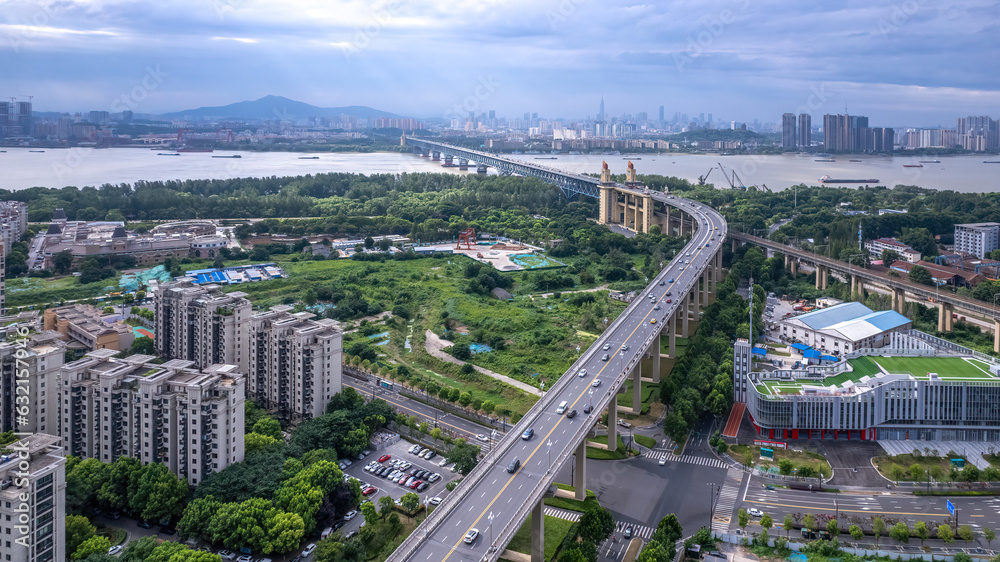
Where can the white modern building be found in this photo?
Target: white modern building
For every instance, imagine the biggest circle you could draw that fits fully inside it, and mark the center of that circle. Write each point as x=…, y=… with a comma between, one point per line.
x=843, y=328
x=295, y=362
x=877, y=246
x=977, y=239
x=188, y=419
x=29, y=370
x=33, y=500
x=200, y=323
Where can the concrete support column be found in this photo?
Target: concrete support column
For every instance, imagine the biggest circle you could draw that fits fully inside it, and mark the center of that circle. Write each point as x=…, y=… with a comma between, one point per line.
x=538, y=533
x=436, y=156
x=996, y=336
x=826, y=277
x=695, y=307
x=637, y=386
x=795, y=267
x=819, y=277
x=949, y=310
x=656, y=356
x=673, y=335
x=463, y=164
x=788, y=263
x=734, y=250
x=580, y=480
x=898, y=300
x=683, y=310
x=942, y=325
x=704, y=287
x=613, y=423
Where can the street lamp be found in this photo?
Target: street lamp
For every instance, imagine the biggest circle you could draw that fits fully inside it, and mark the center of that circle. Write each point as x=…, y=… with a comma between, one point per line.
x=711, y=502
x=490, y=517
x=590, y=397
x=548, y=451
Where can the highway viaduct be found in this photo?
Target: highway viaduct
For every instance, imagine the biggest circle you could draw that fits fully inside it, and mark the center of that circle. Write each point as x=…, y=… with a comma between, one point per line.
x=947, y=302
x=497, y=497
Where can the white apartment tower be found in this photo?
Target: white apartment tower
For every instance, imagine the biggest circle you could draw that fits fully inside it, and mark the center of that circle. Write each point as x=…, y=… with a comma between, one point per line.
x=977, y=239
x=295, y=362
x=33, y=500
x=187, y=419
x=200, y=323
x=29, y=371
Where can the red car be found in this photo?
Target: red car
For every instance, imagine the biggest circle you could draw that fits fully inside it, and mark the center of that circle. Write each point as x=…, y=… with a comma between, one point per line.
x=670, y=300
x=368, y=491
x=416, y=483
x=384, y=458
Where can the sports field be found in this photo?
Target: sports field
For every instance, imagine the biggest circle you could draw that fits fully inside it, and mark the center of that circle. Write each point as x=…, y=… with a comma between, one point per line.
x=948, y=368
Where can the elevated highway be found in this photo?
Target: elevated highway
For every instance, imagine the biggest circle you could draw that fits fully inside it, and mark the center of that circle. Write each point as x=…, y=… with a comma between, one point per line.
x=497, y=497
x=946, y=302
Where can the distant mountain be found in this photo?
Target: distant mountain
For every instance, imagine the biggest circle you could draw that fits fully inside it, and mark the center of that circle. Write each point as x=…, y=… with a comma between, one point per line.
x=276, y=107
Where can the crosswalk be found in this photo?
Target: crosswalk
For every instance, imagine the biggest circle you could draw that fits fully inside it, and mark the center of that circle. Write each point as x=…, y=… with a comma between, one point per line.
x=689, y=459
x=727, y=500
x=641, y=531
x=562, y=513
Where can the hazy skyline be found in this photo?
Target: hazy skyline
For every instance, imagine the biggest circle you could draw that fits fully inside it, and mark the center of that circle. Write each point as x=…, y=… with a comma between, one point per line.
x=910, y=62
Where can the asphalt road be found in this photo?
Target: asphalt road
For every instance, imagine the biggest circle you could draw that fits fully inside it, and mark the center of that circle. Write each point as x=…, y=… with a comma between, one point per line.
x=502, y=492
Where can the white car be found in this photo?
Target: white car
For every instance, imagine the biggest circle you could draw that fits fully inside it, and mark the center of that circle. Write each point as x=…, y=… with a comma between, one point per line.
x=308, y=549
x=435, y=500
x=245, y=558
x=414, y=448
x=114, y=550
x=471, y=536
x=443, y=462
x=583, y=372
x=227, y=554
x=350, y=515
x=482, y=437
x=754, y=512
x=663, y=461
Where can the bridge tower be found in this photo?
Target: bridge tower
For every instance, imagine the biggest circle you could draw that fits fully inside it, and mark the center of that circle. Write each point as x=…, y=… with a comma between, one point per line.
x=402, y=139
x=609, y=197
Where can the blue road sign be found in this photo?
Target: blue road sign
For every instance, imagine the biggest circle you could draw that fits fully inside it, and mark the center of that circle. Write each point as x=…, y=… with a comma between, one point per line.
x=951, y=508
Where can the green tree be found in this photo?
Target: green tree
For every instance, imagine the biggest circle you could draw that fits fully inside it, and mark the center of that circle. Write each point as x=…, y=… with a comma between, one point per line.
x=78, y=530
x=766, y=522
x=889, y=256
x=788, y=523
x=748, y=459
x=810, y=522
x=920, y=528
x=743, y=518
x=94, y=545
x=878, y=528
x=833, y=528
x=197, y=516
x=385, y=505
x=785, y=466
x=654, y=552
x=436, y=434
x=159, y=494
x=945, y=534
x=139, y=550
x=255, y=442
x=989, y=534
x=856, y=532
x=897, y=473
x=596, y=524
x=268, y=426
x=488, y=407
x=965, y=533
x=921, y=275
x=901, y=532
x=83, y=482
x=464, y=455
x=62, y=262
x=409, y=502
x=370, y=513
x=916, y=472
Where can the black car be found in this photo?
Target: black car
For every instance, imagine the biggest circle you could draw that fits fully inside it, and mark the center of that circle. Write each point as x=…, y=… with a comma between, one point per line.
x=168, y=530
x=571, y=414
x=587, y=409
x=628, y=532
x=338, y=525
x=423, y=486
x=144, y=524
x=513, y=466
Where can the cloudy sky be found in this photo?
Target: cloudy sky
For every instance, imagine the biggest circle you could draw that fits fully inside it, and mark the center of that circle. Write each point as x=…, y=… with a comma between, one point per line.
x=902, y=63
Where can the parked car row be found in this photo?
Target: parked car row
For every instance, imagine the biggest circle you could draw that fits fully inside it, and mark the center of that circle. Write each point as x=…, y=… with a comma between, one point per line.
x=404, y=474
x=422, y=452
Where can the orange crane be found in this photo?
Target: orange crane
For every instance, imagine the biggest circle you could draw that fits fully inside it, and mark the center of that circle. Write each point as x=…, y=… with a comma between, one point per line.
x=467, y=237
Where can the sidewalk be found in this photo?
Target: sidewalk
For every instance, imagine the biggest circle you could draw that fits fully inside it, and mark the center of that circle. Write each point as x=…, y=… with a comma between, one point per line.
x=435, y=346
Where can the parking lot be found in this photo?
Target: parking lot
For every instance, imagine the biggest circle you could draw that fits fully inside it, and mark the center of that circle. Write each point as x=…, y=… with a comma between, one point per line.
x=412, y=463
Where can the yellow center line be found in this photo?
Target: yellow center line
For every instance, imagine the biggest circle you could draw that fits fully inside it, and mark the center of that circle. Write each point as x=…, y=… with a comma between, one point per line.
x=614, y=404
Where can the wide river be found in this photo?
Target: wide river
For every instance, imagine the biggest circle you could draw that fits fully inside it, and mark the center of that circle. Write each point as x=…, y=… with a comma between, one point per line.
x=21, y=168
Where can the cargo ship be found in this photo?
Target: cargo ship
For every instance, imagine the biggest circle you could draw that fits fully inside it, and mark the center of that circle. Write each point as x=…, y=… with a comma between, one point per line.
x=828, y=179
x=230, y=156
x=167, y=154
x=913, y=165
x=824, y=160
x=930, y=161
x=308, y=157
x=194, y=149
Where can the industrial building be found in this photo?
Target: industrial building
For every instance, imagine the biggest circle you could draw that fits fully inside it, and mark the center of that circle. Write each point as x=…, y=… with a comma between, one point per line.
x=188, y=419
x=843, y=328
x=916, y=388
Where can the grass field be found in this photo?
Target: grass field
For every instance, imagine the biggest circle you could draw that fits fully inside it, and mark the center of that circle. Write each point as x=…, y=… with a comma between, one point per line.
x=555, y=532
x=949, y=368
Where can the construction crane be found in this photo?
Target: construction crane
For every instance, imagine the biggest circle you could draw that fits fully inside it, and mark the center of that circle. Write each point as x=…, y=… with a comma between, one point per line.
x=467, y=237
x=227, y=132
x=726, y=175
x=701, y=179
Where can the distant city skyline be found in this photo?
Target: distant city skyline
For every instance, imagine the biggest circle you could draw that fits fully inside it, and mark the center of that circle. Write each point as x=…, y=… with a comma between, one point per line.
x=913, y=64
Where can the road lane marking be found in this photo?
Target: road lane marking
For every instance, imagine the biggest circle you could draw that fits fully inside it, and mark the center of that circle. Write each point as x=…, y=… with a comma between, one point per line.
x=852, y=510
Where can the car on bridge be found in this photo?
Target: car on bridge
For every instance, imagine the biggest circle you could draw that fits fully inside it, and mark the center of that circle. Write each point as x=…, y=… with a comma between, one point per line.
x=596, y=383
x=671, y=280
x=528, y=434
x=512, y=468
x=657, y=307
x=571, y=414
x=653, y=321
x=605, y=357
x=583, y=372
x=470, y=537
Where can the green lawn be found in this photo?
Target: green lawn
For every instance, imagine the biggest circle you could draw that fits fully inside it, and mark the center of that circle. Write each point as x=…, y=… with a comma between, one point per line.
x=555, y=532
x=949, y=368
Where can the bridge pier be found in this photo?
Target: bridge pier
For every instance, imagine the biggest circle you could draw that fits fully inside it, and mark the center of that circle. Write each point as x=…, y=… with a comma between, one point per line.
x=481, y=169
x=656, y=356
x=580, y=478
x=898, y=300
x=944, y=318
x=538, y=533
x=449, y=160
x=436, y=155
x=463, y=164
x=637, y=386
x=672, y=323
x=695, y=308
x=996, y=336
x=795, y=267
x=613, y=423
x=826, y=277
x=683, y=309
x=822, y=276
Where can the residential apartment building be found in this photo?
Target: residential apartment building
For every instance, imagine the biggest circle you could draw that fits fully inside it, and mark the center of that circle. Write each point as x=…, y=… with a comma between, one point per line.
x=29, y=368
x=805, y=130
x=13, y=223
x=36, y=492
x=977, y=239
x=85, y=327
x=789, y=132
x=295, y=362
x=188, y=419
x=200, y=323
x=851, y=133
x=877, y=246
x=978, y=133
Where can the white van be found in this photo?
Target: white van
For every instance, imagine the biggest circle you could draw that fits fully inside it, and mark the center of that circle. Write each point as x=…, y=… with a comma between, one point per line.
x=562, y=407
